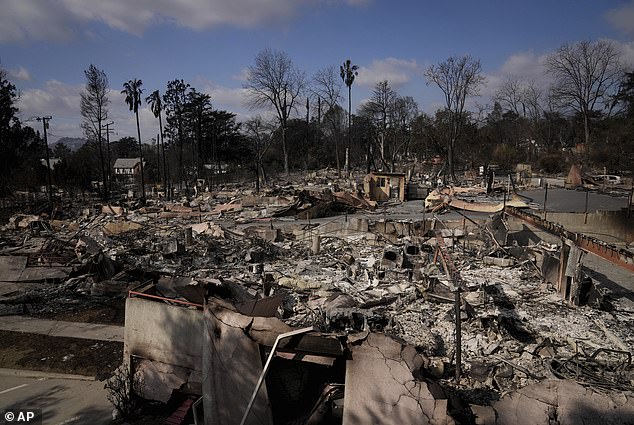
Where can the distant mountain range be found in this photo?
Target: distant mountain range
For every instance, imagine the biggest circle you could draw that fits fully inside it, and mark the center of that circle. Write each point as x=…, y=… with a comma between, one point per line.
x=73, y=143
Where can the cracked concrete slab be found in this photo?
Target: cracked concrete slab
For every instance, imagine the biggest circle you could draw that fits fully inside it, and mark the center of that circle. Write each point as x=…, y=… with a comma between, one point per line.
x=381, y=389
x=563, y=402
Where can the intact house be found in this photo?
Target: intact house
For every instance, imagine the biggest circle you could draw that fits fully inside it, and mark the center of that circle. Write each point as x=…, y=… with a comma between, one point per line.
x=127, y=169
x=124, y=167
x=382, y=186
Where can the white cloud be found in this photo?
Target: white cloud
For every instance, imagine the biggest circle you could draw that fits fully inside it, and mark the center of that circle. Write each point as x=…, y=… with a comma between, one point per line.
x=54, y=97
x=227, y=98
x=33, y=19
x=527, y=67
x=526, y=64
x=622, y=18
x=195, y=14
x=61, y=101
x=626, y=50
x=396, y=71
x=59, y=19
x=21, y=74
x=242, y=75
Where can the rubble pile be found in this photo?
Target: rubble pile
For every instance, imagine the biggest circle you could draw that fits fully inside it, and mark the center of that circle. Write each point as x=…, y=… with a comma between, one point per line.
x=351, y=279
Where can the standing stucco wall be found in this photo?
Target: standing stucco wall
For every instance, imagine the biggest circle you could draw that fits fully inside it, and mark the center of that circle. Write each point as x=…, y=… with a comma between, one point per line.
x=165, y=333
x=609, y=226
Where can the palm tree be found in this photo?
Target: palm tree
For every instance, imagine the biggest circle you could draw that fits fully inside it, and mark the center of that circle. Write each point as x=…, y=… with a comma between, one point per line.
x=348, y=72
x=132, y=90
x=156, y=105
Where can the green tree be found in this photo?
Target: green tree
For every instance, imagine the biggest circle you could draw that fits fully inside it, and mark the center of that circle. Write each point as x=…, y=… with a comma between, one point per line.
x=20, y=147
x=8, y=126
x=132, y=90
x=625, y=95
x=174, y=103
x=199, y=105
x=82, y=166
x=8, y=110
x=156, y=106
x=125, y=147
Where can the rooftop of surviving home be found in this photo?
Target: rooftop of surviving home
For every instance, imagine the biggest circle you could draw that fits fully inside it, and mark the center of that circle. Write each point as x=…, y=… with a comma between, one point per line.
x=533, y=318
x=126, y=162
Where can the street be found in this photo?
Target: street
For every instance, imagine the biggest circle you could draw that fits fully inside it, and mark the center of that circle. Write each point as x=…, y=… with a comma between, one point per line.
x=63, y=401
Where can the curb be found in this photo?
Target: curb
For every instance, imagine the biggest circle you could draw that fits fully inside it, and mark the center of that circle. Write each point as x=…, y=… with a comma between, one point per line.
x=40, y=374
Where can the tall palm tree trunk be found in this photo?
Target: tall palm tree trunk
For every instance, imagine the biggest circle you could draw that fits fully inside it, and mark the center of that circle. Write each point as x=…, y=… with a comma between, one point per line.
x=165, y=173
x=347, y=166
x=138, y=131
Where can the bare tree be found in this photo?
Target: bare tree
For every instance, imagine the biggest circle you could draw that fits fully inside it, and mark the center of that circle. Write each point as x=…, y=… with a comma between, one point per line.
x=532, y=98
x=586, y=74
x=404, y=113
x=94, y=111
x=125, y=391
x=273, y=81
x=261, y=134
x=523, y=99
x=327, y=86
x=380, y=109
x=458, y=78
x=509, y=95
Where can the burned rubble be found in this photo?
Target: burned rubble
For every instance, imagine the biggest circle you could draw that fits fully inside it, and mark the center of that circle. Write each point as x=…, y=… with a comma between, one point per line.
x=212, y=286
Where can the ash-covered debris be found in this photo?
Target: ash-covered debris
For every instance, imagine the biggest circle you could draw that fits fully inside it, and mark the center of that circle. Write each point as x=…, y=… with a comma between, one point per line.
x=530, y=314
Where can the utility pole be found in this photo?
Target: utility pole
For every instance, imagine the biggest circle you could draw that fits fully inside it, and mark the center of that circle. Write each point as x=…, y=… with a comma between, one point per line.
x=306, y=131
x=45, y=121
x=545, y=199
x=108, y=131
x=318, y=120
x=158, y=157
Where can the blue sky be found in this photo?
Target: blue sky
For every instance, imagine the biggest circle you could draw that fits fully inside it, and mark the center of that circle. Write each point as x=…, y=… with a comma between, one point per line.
x=46, y=44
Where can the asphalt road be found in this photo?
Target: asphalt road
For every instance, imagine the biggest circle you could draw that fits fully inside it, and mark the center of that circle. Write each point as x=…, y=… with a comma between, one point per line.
x=564, y=200
x=62, y=401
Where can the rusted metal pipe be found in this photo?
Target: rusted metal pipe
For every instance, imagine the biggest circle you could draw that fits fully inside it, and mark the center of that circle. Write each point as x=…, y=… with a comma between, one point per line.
x=157, y=297
x=611, y=253
x=266, y=367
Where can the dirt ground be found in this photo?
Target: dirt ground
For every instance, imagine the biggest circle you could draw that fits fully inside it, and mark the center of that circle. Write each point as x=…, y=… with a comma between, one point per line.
x=109, y=312
x=59, y=354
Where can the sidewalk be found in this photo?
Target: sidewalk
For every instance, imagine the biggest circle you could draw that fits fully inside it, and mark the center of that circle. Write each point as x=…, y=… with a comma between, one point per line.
x=37, y=374
x=92, y=331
